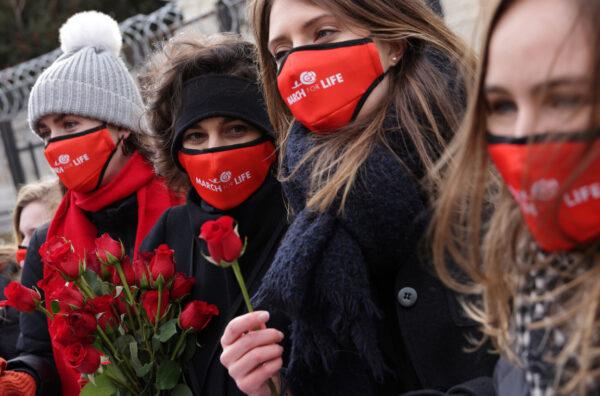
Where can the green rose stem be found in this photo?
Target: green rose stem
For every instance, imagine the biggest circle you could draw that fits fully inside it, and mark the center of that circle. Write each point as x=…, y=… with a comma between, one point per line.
x=157, y=318
x=240, y=280
x=179, y=344
x=85, y=287
x=115, y=354
x=44, y=310
x=124, y=282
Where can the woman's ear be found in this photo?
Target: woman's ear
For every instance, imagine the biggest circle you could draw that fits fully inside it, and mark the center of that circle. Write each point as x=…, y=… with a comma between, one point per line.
x=396, y=52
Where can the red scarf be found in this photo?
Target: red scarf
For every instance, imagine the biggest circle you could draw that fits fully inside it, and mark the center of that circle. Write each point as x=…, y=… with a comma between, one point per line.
x=70, y=221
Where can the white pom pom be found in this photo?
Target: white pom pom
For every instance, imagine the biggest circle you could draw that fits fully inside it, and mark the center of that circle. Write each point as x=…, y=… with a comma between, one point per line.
x=90, y=29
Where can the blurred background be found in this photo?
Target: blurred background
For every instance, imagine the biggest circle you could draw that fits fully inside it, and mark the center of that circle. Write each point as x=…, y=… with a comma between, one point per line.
x=29, y=43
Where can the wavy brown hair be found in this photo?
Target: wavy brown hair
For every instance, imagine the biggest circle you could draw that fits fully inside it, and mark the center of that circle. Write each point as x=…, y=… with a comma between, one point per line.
x=424, y=90
x=478, y=225
x=181, y=58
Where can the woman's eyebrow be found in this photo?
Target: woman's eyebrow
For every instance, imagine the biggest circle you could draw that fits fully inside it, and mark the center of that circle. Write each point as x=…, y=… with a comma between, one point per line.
x=305, y=26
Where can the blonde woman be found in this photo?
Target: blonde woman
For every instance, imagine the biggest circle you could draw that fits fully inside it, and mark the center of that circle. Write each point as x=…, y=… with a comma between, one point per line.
x=363, y=96
x=519, y=208
x=36, y=204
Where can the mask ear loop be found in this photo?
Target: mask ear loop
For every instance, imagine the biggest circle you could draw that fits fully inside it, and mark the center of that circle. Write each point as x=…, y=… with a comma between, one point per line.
x=105, y=166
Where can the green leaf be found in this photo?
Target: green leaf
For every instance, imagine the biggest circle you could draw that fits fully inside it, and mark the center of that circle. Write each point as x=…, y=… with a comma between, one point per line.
x=122, y=343
x=167, y=330
x=140, y=369
x=55, y=306
x=113, y=371
x=168, y=375
x=181, y=390
x=102, y=386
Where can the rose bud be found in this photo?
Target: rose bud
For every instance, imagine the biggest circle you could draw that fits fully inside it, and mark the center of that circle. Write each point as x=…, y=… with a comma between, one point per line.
x=54, y=250
x=162, y=263
x=99, y=304
x=150, y=303
x=182, y=285
x=63, y=332
x=141, y=270
x=52, y=281
x=20, y=297
x=108, y=321
x=224, y=243
x=70, y=266
x=121, y=303
x=83, y=358
x=107, y=249
x=82, y=323
x=196, y=315
x=69, y=297
x=92, y=262
x=127, y=271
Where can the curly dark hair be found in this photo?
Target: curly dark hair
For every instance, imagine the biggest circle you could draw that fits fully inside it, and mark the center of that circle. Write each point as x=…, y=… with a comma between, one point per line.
x=180, y=59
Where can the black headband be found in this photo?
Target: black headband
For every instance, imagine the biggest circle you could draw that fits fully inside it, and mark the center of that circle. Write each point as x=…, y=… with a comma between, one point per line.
x=219, y=95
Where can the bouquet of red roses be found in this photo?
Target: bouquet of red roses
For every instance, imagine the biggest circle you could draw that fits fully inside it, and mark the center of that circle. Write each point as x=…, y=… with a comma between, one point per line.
x=122, y=325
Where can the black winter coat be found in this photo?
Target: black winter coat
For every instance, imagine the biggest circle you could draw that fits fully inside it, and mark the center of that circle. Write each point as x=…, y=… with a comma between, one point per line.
x=9, y=317
x=119, y=220
x=262, y=219
x=367, y=315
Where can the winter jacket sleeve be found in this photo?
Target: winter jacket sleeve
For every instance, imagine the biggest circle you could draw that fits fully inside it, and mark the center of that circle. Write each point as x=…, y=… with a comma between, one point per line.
x=34, y=346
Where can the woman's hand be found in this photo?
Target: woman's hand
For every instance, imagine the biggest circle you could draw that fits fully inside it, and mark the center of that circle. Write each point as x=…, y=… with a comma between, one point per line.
x=251, y=352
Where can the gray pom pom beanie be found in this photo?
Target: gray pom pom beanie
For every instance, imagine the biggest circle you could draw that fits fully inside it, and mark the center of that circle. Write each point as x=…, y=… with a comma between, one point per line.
x=89, y=79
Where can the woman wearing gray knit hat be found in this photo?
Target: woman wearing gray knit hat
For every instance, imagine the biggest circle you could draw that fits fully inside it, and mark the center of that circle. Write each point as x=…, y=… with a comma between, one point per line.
x=88, y=109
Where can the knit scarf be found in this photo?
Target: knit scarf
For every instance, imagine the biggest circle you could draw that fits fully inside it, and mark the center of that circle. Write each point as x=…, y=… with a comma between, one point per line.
x=320, y=278
x=70, y=221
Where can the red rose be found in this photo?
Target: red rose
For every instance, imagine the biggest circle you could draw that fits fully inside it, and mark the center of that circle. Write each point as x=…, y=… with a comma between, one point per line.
x=83, y=358
x=20, y=297
x=70, y=265
x=69, y=297
x=92, y=262
x=99, y=304
x=106, y=246
x=107, y=320
x=150, y=303
x=65, y=332
x=162, y=263
x=127, y=271
x=121, y=303
x=197, y=314
x=52, y=281
x=54, y=250
x=182, y=285
x=224, y=244
x=141, y=270
x=82, y=323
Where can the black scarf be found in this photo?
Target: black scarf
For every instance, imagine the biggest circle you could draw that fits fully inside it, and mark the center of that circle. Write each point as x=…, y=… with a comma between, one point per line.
x=320, y=277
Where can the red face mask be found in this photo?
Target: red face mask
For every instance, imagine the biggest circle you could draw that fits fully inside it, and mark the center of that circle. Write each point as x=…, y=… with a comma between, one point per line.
x=224, y=177
x=80, y=159
x=559, y=213
x=21, y=254
x=326, y=85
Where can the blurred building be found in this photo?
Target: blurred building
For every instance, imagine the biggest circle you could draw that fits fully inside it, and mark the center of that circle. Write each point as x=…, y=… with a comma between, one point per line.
x=21, y=152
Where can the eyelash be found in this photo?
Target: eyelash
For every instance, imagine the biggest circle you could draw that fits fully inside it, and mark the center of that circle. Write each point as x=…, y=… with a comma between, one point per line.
x=499, y=106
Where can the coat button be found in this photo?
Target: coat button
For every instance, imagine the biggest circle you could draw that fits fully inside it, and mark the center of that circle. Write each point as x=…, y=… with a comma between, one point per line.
x=407, y=297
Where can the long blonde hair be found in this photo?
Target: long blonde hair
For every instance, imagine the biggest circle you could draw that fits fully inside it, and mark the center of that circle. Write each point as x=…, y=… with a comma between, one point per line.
x=421, y=92
x=478, y=225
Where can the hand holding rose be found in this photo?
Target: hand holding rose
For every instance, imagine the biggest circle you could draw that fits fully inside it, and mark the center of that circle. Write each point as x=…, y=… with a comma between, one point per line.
x=252, y=356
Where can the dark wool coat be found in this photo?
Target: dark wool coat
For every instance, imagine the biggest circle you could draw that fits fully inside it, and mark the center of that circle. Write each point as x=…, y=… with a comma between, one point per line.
x=9, y=317
x=262, y=219
x=119, y=220
x=367, y=315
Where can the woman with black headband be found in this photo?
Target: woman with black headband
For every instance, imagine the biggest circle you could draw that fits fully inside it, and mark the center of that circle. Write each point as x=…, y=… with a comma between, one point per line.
x=213, y=135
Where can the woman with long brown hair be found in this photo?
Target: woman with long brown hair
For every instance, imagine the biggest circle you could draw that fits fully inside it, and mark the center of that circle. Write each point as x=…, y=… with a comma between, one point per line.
x=363, y=96
x=519, y=208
